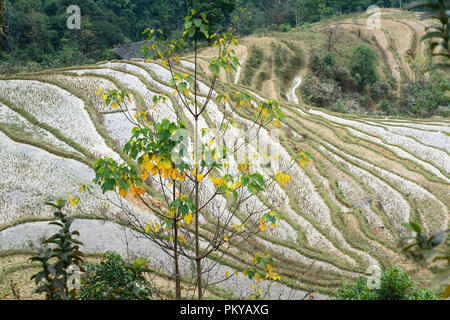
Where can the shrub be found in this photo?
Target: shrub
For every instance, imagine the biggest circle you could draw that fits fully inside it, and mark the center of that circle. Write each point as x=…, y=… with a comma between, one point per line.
x=394, y=285
x=254, y=61
x=322, y=65
x=64, y=253
x=425, y=97
x=362, y=65
x=115, y=278
x=280, y=55
x=322, y=94
x=380, y=90
x=285, y=28
x=325, y=66
x=387, y=107
x=444, y=111
x=340, y=106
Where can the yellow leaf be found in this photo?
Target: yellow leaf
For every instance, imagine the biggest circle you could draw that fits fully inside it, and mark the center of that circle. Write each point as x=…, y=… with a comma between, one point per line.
x=262, y=224
x=165, y=63
x=186, y=92
x=147, y=228
x=200, y=177
x=74, y=201
x=99, y=90
x=135, y=190
x=211, y=142
x=237, y=227
x=188, y=218
x=447, y=292
x=114, y=105
x=122, y=192
x=270, y=268
x=174, y=174
x=277, y=123
x=226, y=274
x=257, y=277
x=145, y=175
x=225, y=238
x=303, y=162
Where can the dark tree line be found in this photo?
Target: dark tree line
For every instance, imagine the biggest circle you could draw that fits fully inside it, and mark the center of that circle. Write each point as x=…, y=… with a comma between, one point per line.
x=35, y=31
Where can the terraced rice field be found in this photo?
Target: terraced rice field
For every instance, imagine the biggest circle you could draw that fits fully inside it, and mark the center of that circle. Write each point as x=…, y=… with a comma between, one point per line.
x=343, y=211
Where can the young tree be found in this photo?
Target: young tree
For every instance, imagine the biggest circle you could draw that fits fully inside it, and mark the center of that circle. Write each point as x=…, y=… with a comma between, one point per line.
x=331, y=33
x=208, y=185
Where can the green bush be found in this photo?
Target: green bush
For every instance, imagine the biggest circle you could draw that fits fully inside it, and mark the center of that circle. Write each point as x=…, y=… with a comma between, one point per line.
x=285, y=27
x=115, y=279
x=425, y=97
x=362, y=65
x=387, y=107
x=394, y=285
x=323, y=64
x=340, y=106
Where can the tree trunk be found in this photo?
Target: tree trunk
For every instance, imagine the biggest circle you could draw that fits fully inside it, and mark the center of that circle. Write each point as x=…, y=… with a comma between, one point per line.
x=175, y=254
x=197, y=204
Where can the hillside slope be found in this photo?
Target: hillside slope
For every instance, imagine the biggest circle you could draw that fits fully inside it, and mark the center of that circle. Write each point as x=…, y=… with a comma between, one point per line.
x=343, y=211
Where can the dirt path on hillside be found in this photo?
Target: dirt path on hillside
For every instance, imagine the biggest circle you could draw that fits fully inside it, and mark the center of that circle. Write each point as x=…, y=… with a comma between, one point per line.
x=402, y=38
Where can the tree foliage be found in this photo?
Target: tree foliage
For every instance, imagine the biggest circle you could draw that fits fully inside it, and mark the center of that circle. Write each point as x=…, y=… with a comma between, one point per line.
x=394, y=284
x=362, y=65
x=115, y=279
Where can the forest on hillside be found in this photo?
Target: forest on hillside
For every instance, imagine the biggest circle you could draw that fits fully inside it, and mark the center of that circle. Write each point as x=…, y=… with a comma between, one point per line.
x=34, y=32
